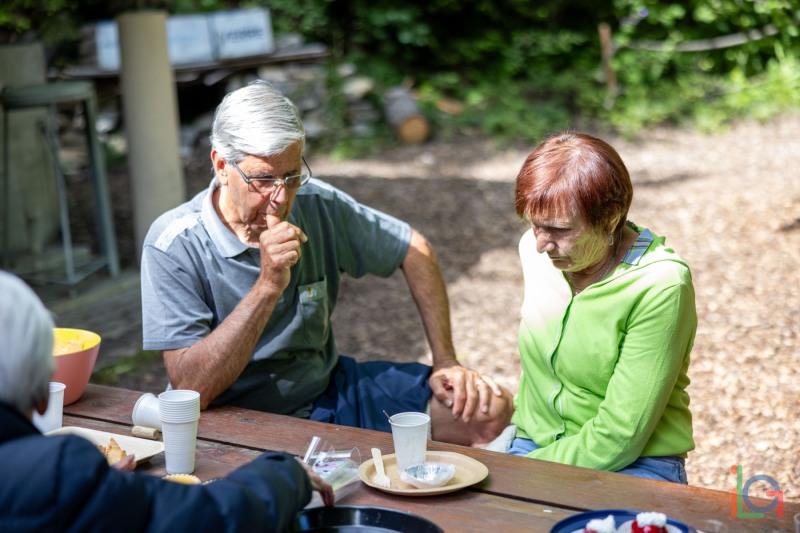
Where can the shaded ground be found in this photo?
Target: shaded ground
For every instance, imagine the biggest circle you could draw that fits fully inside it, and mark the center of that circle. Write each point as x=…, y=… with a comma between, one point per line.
x=729, y=203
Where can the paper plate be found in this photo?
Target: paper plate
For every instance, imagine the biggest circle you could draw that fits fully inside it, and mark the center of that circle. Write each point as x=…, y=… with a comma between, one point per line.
x=142, y=449
x=468, y=472
x=361, y=519
x=576, y=523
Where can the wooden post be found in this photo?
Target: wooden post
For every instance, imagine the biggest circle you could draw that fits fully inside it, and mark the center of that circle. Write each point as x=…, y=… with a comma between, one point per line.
x=607, y=55
x=403, y=114
x=150, y=103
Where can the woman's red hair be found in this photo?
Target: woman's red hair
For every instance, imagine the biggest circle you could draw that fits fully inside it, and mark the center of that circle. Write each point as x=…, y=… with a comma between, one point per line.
x=570, y=170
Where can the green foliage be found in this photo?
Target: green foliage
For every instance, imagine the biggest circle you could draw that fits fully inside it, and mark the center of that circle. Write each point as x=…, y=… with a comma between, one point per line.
x=45, y=17
x=519, y=68
x=717, y=81
x=514, y=111
x=306, y=17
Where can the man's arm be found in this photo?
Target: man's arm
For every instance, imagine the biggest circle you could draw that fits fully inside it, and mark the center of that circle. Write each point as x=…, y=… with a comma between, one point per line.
x=451, y=383
x=211, y=365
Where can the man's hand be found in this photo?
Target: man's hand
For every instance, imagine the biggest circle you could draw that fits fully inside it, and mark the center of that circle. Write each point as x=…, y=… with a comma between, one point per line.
x=280, y=251
x=463, y=389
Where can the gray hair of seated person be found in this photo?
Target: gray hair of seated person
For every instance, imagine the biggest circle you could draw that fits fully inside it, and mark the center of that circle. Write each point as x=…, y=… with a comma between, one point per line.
x=256, y=120
x=26, y=349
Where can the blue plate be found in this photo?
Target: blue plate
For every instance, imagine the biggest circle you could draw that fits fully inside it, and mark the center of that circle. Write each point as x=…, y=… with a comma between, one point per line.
x=578, y=521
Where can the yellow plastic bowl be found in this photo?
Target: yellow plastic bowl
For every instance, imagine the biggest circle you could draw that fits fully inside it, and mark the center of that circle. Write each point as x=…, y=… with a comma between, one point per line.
x=75, y=352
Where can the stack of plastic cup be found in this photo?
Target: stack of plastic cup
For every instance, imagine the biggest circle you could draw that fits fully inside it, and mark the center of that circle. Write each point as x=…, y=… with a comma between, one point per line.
x=179, y=412
x=145, y=412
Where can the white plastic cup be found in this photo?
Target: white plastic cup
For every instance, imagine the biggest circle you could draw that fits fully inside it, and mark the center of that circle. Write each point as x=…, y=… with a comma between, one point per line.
x=410, y=436
x=179, y=405
x=797, y=523
x=52, y=418
x=179, y=413
x=180, y=444
x=145, y=412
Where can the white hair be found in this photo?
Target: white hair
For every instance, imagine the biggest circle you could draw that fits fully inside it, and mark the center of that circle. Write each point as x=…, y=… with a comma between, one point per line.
x=26, y=345
x=255, y=120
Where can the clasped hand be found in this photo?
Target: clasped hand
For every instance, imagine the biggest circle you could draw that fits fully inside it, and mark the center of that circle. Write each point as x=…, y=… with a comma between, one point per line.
x=463, y=389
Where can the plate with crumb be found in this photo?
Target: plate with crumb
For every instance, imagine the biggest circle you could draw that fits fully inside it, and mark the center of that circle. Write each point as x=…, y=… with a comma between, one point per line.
x=142, y=449
x=620, y=521
x=468, y=471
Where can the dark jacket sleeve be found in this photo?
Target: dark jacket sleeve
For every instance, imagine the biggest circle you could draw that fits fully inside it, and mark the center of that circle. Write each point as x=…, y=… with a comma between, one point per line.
x=64, y=484
x=263, y=495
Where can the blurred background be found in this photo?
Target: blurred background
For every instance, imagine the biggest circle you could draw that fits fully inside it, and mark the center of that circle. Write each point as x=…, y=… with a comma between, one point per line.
x=508, y=69
x=426, y=109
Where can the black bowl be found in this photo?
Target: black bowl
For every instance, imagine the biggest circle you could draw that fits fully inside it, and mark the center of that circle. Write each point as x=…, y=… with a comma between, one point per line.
x=361, y=519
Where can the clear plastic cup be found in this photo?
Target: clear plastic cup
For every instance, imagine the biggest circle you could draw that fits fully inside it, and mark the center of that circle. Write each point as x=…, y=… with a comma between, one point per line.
x=53, y=417
x=711, y=525
x=337, y=467
x=410, y=436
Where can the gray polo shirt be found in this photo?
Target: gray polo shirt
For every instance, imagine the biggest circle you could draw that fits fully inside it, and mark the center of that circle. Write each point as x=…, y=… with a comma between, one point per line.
x=195, y=272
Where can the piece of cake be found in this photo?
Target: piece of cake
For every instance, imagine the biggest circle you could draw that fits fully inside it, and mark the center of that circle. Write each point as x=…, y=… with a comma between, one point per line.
x=598, y=525
x=649, y=523
x=186, y=479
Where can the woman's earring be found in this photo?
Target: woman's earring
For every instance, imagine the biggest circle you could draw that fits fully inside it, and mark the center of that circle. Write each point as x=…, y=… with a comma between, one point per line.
x=611, y=240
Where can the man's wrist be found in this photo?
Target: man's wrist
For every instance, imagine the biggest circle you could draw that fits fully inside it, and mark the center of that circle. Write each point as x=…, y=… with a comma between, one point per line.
x=445, y=361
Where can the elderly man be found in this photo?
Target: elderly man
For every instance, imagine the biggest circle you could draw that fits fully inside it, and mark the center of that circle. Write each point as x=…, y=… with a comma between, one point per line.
x=65, y=484
x=238, y=287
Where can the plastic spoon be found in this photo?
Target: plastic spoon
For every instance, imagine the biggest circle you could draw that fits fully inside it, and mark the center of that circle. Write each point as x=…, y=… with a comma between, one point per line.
x=380, y=479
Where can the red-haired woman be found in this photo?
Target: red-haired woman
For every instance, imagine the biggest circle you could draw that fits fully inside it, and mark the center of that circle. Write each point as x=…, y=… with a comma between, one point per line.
x=608, y=320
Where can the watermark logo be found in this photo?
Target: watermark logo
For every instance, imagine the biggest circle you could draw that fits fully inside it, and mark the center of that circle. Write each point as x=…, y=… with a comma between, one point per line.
x=740, y=496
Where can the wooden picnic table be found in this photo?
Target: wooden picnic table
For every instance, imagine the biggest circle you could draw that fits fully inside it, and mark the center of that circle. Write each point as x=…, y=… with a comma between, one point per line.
x=519, y=494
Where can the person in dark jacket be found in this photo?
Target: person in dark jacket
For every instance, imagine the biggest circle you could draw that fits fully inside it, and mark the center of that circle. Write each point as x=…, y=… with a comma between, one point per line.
x=63, y=483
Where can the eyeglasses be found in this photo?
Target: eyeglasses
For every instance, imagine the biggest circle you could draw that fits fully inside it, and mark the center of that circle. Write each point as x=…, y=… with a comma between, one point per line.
x=267, y=185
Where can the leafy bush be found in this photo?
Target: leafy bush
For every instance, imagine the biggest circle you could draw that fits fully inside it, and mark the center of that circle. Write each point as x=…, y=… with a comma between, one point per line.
x=677, y=64
x=522, y=68
x=519, y=68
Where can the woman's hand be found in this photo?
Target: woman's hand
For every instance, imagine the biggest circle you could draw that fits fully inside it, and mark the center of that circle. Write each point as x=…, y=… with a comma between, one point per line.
x=126, y=464
x=320, y=485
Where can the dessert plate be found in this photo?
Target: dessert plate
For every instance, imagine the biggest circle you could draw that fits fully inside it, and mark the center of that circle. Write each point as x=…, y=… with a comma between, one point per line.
x=623, y=518
x=468, y=472
x=142, y=449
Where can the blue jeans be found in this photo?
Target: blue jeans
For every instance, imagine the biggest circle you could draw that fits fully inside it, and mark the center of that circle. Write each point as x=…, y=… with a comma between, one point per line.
x=662, y=468
x=359, y=393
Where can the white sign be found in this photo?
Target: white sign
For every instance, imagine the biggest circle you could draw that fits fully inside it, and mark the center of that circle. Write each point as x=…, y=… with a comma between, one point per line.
x=199, y=38
x=189, y=40
x=106, y=38
x=241, y=33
